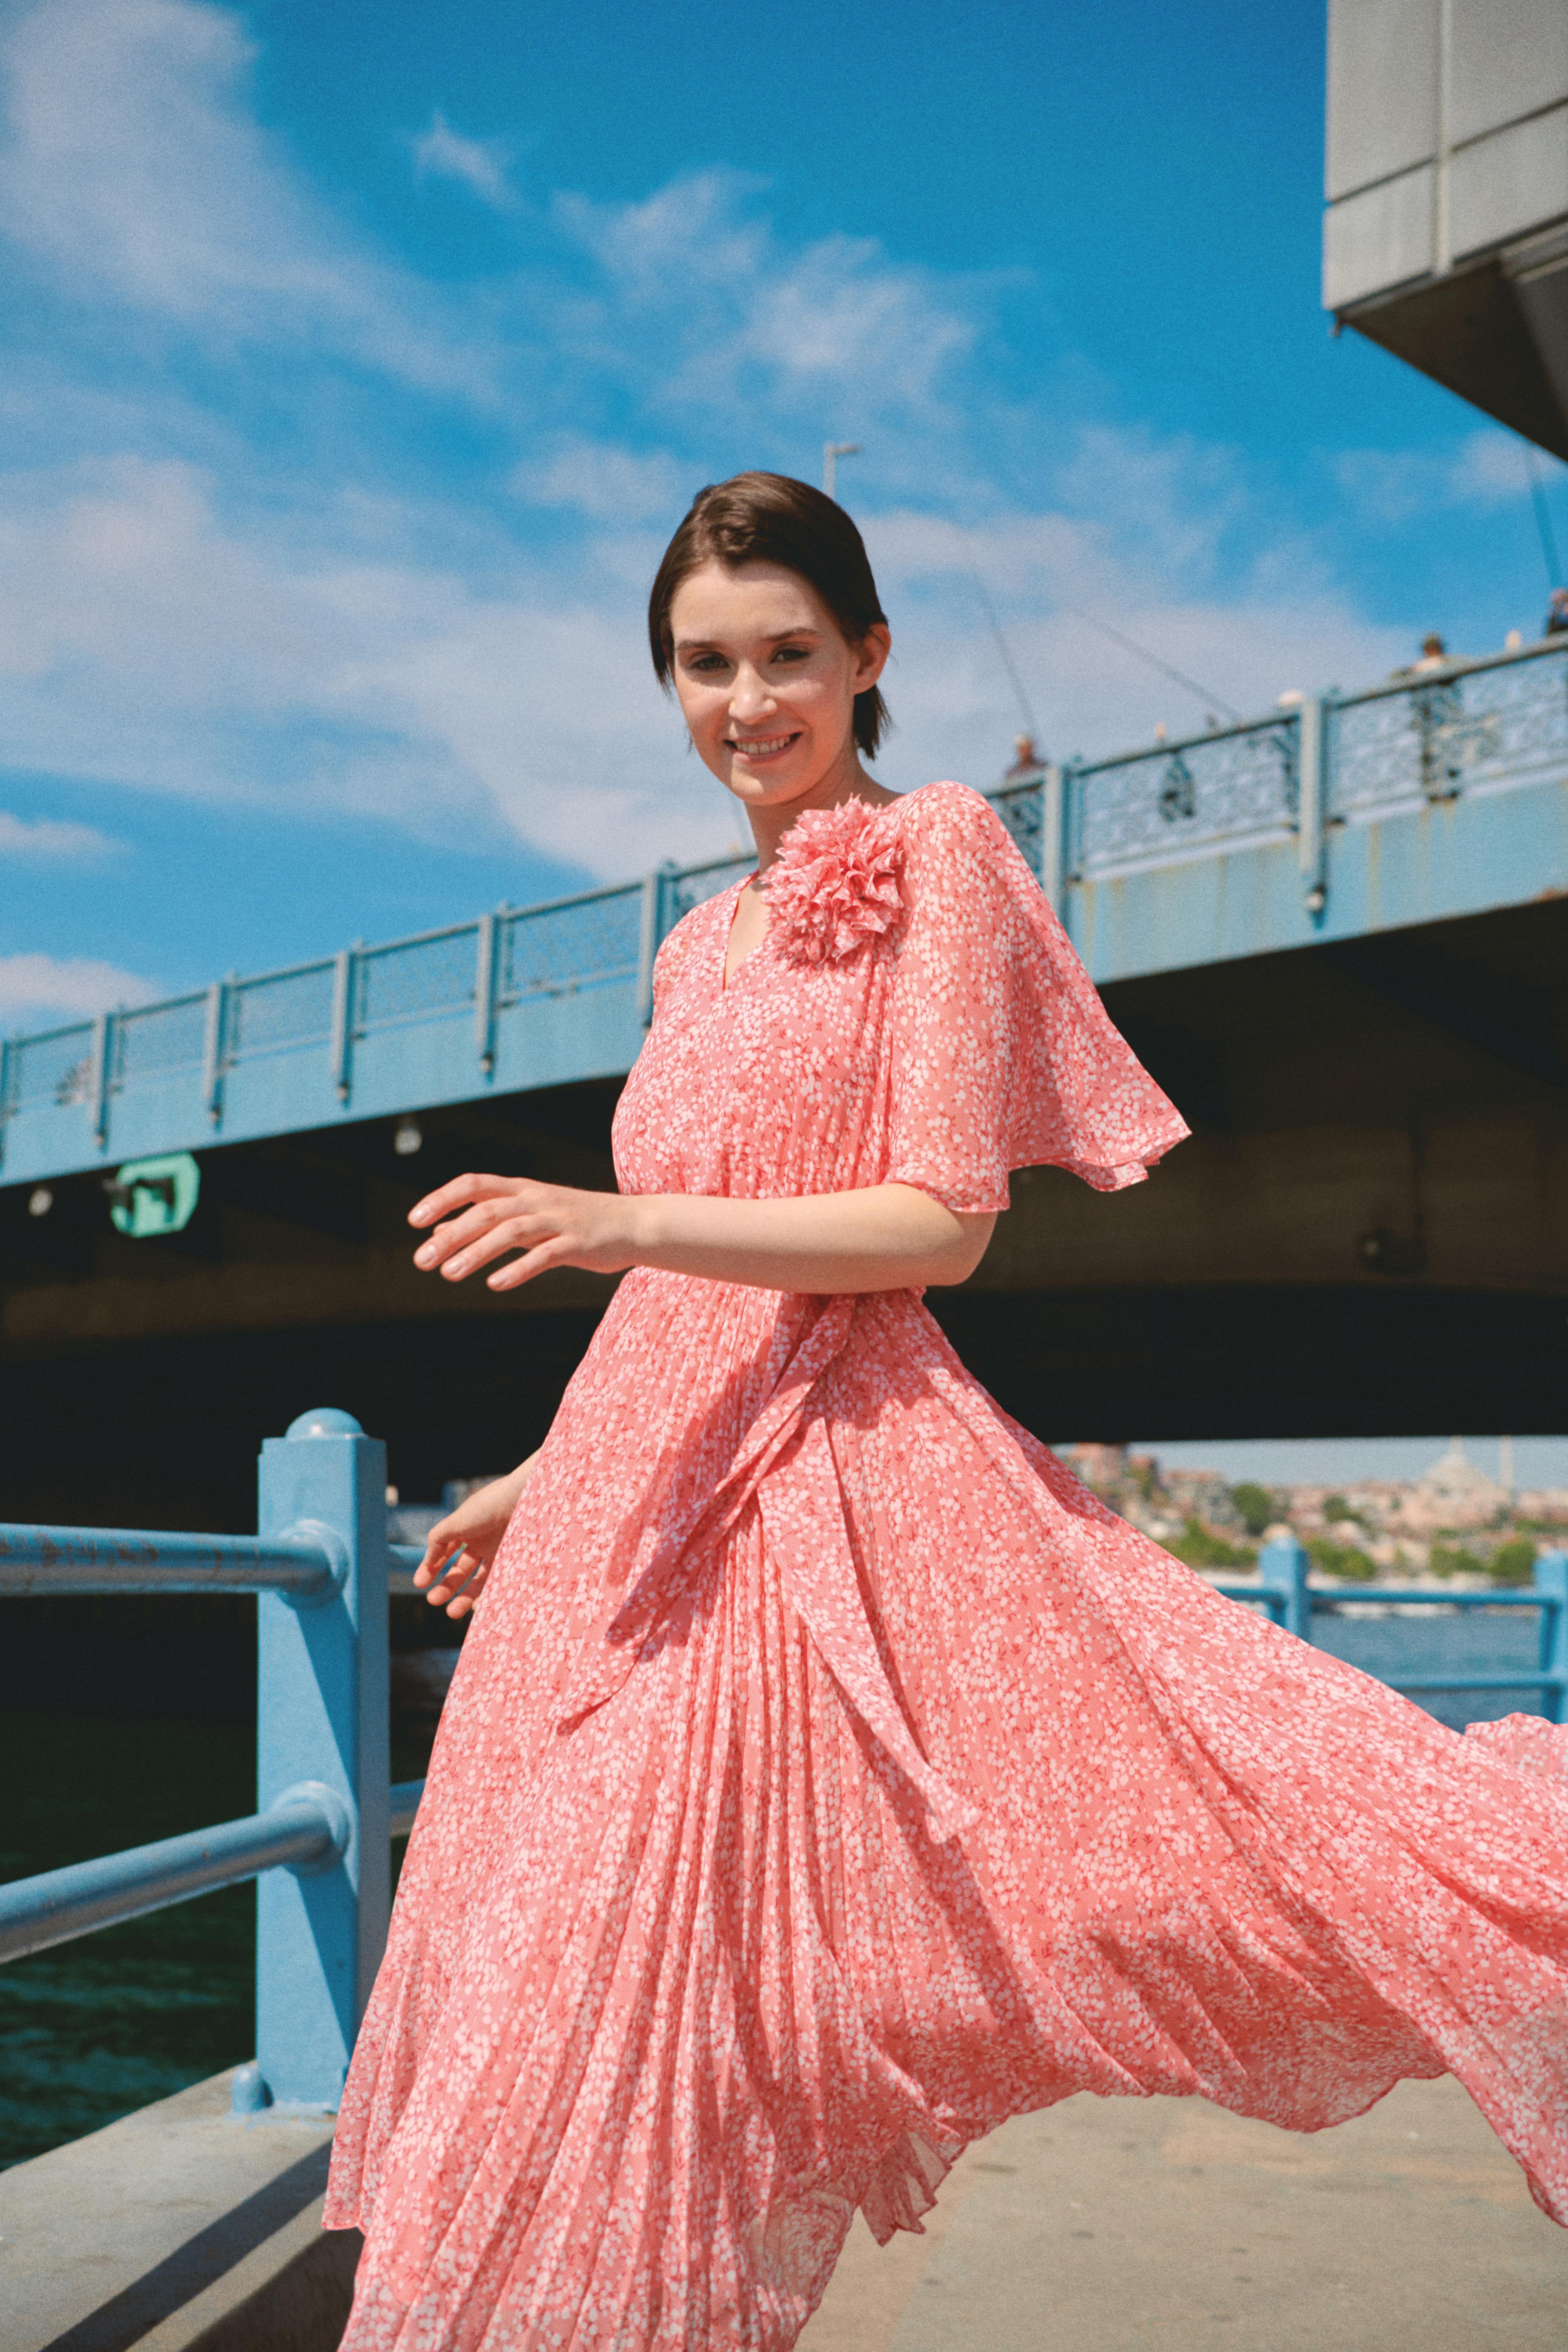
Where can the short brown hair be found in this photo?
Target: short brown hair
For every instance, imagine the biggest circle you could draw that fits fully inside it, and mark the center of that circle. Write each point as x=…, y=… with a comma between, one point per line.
x=772, y=519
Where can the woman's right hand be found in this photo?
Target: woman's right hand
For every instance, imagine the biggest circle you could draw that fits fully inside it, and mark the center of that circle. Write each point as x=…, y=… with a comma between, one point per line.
x=460, y=1549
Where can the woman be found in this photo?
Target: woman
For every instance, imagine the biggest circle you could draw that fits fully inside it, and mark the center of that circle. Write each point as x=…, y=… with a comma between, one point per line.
x=827, y=1775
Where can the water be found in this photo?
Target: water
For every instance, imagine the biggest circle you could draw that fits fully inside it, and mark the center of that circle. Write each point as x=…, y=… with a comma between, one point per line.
x=113, y=2021
x=97, y=2027
x=1478, y=1641
x=104, y=2025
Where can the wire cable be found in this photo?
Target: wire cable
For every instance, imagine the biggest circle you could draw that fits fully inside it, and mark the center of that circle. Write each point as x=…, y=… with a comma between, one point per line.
x=989, y=609
x=1543, y=518
x=1210, y=700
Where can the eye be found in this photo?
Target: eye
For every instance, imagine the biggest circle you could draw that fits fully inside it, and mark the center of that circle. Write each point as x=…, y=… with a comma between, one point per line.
x=793, y=652
x=704, y=663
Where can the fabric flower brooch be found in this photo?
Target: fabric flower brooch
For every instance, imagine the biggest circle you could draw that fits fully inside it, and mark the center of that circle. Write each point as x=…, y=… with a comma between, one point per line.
x=835, y=884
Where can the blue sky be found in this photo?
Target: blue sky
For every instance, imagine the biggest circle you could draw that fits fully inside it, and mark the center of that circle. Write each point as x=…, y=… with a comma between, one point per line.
x=360, y=359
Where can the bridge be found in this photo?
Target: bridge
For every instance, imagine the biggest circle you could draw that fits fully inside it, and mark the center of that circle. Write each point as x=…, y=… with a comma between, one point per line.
x=1338, y=934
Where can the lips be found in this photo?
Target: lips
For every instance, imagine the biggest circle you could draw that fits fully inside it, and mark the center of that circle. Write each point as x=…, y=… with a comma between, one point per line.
x=761, y=747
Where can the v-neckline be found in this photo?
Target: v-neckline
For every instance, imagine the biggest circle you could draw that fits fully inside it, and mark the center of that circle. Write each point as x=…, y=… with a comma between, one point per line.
x=727, y=978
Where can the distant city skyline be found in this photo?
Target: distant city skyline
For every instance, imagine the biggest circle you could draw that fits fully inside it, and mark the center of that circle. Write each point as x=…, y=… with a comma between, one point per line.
x=1333, y=1461
x=360, y=360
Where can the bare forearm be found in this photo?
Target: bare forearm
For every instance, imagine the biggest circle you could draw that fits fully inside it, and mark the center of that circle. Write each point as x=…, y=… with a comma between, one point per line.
x=886, y=1237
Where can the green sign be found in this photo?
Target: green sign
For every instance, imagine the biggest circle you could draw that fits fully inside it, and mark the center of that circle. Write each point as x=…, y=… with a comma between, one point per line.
x=155, y=1196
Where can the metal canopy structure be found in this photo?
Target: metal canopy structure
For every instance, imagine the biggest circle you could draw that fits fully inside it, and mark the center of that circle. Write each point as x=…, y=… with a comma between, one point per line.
x=1446, y=233
x=1441, y=794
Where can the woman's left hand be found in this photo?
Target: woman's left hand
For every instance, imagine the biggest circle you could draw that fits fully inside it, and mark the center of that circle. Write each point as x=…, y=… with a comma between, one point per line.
x=552, y=1225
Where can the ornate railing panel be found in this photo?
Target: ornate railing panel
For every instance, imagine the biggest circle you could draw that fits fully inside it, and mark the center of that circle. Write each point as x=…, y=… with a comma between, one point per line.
x=689, y=890
x=583, y=942
x=52, y=1070
x=164, y=1037
x=1021, y=810
x=1466, y=729
x=1232, y=791
x=417, y=980
x=281, y=1011
x=1299, y=775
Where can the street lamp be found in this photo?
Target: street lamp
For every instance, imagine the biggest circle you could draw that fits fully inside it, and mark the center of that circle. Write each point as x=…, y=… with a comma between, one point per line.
x=831, y=453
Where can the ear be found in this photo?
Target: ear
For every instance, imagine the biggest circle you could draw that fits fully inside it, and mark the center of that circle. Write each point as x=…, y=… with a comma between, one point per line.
x=871, y=656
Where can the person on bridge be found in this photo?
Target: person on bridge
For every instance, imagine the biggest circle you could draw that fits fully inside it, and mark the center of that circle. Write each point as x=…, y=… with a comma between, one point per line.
x=828, y=1775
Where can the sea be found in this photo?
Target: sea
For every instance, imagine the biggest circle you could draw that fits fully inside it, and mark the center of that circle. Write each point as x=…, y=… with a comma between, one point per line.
x=112, y=2022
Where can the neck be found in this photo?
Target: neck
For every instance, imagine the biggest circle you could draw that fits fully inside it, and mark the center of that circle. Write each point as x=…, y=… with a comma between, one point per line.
x=847, y=780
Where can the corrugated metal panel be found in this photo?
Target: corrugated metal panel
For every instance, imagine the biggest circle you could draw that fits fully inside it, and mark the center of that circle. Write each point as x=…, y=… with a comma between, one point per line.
x=1508, y=58
x=1383, y=90
x=1380, y=239
x=1509, y=184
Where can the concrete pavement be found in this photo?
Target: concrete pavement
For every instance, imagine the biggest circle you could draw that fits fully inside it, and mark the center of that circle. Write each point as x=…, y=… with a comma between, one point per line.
x=1166, y=2225
x=1120, y=2225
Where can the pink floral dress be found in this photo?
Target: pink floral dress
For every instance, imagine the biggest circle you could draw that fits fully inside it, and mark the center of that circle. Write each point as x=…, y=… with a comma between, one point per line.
x=829, y=1776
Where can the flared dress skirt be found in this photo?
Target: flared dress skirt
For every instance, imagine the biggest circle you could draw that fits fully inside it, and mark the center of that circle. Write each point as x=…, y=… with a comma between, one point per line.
x=828, y=1775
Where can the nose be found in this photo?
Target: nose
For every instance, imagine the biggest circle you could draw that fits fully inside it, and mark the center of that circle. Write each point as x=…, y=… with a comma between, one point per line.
x=749, y=696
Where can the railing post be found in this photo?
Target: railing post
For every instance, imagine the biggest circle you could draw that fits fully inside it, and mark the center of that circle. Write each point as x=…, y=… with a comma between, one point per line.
x=345, y=975
x=1053, y=834
x=1283, y=1565
x=321, y=1716
x=654, y=922
x=1315, y=720
x=101, y=1079
x=214, y=1048
x=1552, y=1583
x=486, y=974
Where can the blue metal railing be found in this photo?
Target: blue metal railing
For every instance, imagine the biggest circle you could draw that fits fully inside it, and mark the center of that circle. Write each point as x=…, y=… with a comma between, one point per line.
x=1285, y=1592
x=537, y=995
x=319, y=1841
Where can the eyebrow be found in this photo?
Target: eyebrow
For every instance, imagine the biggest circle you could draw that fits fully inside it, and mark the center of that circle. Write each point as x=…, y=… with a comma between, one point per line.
x=779, y=637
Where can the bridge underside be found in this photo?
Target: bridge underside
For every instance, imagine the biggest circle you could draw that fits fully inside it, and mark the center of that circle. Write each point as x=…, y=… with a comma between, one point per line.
x=1366, y=1235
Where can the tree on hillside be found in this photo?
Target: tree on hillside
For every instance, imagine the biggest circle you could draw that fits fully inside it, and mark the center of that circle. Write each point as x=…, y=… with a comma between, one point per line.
x=1257, y=1504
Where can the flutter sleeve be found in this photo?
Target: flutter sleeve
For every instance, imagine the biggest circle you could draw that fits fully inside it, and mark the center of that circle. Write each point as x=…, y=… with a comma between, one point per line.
x=1002, y=1054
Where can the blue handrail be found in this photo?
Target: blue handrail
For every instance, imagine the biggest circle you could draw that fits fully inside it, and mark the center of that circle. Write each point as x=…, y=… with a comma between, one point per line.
x=35, y=1560
x=319, y=1841
x=305, y=1829
x=321, y=1567
x=1283, y=1589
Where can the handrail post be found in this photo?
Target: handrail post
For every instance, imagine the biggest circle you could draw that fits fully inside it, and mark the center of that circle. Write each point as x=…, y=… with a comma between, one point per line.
x=1053, y=836
x=654, y=925
x=321, y=1716
x=1314, y=722
x=1552, y=1583
x=486, y=964
x=1283, y=1566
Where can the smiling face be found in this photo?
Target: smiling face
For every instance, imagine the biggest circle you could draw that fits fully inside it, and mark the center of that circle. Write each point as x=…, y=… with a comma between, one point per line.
x=767, y=684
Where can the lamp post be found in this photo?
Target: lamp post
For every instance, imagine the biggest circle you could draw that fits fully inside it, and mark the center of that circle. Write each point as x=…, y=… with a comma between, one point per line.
x=831, y=453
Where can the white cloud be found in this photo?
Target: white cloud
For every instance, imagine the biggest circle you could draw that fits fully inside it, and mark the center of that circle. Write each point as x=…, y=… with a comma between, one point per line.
x=480, y=165
x=149, y=642
x=605, y=483
x=332, y=657
x=49, y=838
x=132, y=171
x=1493, y=469
x=706, y=305
x=1486, y=468
x=177, y=617
x=69, y=987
